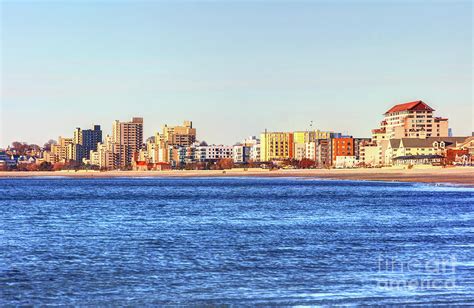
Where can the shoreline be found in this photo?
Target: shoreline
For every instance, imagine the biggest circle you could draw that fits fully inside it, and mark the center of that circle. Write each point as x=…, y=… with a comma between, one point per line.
x=454, y=175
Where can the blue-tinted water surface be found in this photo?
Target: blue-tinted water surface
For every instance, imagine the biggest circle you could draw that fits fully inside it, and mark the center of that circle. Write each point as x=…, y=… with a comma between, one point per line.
x=234, y=241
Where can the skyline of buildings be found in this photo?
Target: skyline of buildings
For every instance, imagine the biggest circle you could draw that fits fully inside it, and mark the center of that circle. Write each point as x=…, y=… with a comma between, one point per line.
x=178, y=146
x=390, y=124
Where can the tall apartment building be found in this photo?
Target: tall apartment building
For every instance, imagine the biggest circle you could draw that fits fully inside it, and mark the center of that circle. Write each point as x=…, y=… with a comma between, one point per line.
x=276, y=146
x=323, y=153
x=320, y=152
x=182, y=136
x=85, y=141
x=410, y=120
x=127, y=139
x=343, y=146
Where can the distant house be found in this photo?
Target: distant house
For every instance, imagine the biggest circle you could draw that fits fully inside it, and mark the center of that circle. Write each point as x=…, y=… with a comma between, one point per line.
x=420, y=150
x=6, y=160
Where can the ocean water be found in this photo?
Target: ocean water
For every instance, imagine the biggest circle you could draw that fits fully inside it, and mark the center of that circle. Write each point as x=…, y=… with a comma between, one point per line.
x=199, y=241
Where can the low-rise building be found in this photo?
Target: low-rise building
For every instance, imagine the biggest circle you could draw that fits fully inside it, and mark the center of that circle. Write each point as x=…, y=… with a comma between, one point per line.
x=371, y=155
x=422, y=159
x=217, y=152
x=420, y=150
x=343, y=162
x=241, y=153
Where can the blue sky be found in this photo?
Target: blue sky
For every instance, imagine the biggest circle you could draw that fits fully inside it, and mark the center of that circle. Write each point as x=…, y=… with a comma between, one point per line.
x=233, y=67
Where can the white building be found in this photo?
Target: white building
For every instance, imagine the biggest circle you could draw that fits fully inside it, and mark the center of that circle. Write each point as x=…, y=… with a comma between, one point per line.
x=300, y=151
x=310, y=151
x=255, y=152
x=345, y=162
x=213, y=152
x=252, y=140
x=241, y=153
x=371, y=155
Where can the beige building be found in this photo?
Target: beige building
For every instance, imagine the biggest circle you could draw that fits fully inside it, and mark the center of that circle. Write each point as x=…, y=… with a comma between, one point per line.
x=371, y=155
x=276, y=146
x=62, y=151
x=117, y=151
x=127, y=139
x=304, y=141
x=410, y=120
x=184, y=135
x=105, y=156
x=299, y=150
x=128, y=133
x=157, y=152
x=468, y=145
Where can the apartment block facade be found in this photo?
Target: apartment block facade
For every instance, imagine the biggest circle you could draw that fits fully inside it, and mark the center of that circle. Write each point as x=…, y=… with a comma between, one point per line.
x=411, y=120
x=183, y=136
x=85, y=141
x=343, y=146
x=276, y=146
x=127, y=139
x=62, y=151
x=241, y=153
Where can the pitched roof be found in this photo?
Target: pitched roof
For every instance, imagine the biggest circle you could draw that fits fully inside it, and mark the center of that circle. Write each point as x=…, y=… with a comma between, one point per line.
x=467, y=143
x=395, y=143
x=428, y=142
x=416, y=105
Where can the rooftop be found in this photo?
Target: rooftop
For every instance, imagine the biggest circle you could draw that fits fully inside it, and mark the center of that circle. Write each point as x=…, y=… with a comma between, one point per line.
x=416, y=105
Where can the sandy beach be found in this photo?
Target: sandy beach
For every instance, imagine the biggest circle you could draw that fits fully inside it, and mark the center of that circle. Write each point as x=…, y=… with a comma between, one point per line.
x=457, y=175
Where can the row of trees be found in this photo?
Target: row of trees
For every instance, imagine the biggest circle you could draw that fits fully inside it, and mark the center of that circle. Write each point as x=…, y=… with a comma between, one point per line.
x=22, y=148
x=47, y=166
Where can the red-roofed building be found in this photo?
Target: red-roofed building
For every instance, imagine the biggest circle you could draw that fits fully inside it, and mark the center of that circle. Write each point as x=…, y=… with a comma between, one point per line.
x=411, y=106
x=410, y=120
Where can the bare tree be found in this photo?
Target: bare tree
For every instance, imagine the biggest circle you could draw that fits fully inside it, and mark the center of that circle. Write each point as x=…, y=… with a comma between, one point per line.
x=47, y=145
